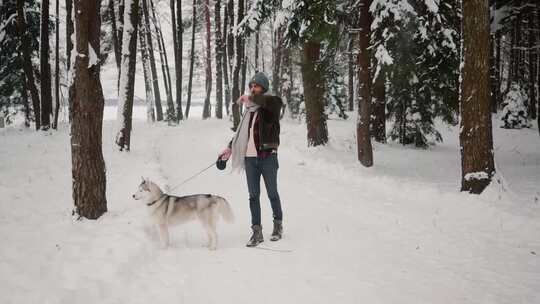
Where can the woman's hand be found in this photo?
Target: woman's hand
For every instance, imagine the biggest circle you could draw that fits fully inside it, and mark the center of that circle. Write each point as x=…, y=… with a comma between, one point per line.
x=243, y=99
x=225, y=154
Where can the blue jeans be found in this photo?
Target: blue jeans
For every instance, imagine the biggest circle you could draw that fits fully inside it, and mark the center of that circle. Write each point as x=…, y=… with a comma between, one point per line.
x=267, y=167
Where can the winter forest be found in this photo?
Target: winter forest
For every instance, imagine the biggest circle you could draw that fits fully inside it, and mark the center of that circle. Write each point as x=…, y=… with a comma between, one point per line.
x=409, y=151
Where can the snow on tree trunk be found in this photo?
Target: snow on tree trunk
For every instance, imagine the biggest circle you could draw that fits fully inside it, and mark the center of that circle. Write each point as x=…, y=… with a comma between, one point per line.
x=88, y=166
x=150, y=116
x=127, y=74
x=475, y=138
x=365, y=150
x=317, y=131
x=208, y=81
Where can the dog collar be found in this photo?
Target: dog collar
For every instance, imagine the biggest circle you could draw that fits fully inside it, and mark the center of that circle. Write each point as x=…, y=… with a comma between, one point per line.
x=162, y=196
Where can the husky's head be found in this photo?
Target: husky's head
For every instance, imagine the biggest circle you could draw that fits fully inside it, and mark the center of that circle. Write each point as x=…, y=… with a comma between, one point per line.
x=146, y=190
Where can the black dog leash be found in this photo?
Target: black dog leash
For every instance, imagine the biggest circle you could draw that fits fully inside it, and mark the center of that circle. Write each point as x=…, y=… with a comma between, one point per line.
x=193, y=176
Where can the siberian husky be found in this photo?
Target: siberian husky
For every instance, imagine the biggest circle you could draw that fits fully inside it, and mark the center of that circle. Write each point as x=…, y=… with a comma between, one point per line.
x=167, y=210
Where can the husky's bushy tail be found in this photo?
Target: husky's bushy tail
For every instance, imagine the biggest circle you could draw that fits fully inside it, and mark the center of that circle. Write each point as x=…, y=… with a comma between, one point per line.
x=225, y=210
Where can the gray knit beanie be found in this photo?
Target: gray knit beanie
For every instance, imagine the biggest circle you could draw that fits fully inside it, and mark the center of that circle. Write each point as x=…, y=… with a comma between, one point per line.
x=260, y=79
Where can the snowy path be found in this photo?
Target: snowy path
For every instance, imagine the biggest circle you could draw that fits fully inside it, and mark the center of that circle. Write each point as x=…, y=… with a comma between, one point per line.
x=376, y=235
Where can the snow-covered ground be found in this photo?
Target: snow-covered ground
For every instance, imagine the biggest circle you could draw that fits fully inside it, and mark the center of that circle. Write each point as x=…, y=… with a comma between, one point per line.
x=399, y=232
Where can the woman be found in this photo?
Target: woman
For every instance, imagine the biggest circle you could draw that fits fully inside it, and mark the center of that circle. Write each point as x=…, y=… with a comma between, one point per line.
x=254, y=149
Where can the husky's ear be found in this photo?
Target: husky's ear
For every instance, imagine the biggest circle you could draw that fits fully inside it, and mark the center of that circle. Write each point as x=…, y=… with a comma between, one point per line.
x=143, y=181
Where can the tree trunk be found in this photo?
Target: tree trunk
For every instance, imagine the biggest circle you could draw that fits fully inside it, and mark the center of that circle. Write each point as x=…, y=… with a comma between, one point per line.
x=492, y=75
x=150, y=117
x=219, y=63
x=225, y=61
x=57, y=68
x=180, y=39
x=229, y=103
x=45, y=68
x=69, y=45
x=365, y=151
x=476, y=139
x=287, y=81
x=237, y=68
x=498, y=96
x=257, y=44
x=276, y=68
x=164, y=66
x=153, y=70
x=208, y=82
x=69, y=32
x=378, y=112
x=116, y=43
x=531, y=66
x=26, y=102
x=350, y=49
x=88, y=166
x=119, y=34
x=27, y=62
x=192, y=58
x=127, y=76
x=178, y=30
x=317, y=131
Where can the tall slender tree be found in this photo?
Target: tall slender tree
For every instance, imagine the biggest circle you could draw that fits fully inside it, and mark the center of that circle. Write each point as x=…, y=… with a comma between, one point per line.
x=116, y=42
x=225, y=59
x=27, y=62
x=191, y=57
x=127, y=76
x=150, y=115
x=365, y=151
x=312, y=79
x=219, y=58
x=151, y=57
x=208, y=81
x=88, y=166
x=164, y=65
x=237, y=67
x=57, y=67
x=177, y=30
x=45, y=68
x=475, y=137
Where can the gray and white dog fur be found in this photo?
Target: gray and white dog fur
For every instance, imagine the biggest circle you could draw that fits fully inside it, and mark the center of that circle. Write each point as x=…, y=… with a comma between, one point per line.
x=168, y=210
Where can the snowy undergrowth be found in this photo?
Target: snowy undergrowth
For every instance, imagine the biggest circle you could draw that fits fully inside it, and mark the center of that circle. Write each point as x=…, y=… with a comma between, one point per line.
x=399, y=232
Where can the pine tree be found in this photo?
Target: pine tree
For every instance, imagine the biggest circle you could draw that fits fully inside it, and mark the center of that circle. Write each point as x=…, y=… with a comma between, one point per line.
x=13, y=97
x=416, y=46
